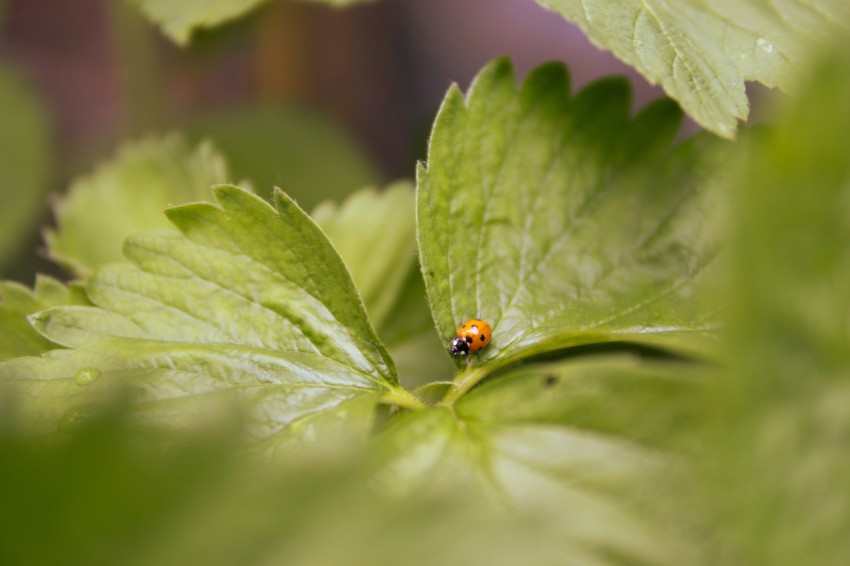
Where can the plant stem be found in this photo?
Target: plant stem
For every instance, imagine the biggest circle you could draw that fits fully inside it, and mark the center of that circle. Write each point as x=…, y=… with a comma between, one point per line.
x=463, y=383
x=401, y=398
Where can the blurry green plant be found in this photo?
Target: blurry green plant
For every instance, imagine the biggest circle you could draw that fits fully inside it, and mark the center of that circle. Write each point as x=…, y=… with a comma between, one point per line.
x=180, y=19
x=701, y=53
x=286, y=146
x=666, y=381
x=25, y=161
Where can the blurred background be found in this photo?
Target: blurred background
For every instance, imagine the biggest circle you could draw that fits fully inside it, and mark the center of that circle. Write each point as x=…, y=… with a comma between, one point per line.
x=316, y=100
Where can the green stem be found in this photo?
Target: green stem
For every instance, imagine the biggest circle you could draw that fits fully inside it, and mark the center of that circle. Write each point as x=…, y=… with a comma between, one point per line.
x=401, y=398
x=463, y=383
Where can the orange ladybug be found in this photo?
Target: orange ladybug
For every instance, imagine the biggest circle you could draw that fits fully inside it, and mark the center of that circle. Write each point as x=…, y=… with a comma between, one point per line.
x=471, y=337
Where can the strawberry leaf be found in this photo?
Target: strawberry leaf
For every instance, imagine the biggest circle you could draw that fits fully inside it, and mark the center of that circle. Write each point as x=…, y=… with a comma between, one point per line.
x=127, y=195
x=247, y=302
x=562, y=222
x=702, y=53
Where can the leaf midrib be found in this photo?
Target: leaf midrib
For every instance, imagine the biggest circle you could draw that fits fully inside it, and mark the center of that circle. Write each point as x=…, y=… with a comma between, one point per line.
x=218, y=348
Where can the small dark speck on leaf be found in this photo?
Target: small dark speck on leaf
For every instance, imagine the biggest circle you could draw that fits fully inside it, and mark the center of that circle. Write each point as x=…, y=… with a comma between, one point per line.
x=500, y=220
x=550, y=380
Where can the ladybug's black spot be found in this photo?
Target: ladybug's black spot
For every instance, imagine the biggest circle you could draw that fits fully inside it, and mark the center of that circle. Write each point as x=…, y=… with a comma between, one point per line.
x=483, y=338
x=469, y=339
x=550, y=380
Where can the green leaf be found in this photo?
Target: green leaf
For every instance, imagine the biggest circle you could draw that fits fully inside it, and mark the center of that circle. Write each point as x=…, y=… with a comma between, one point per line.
x=289, y=147
x=247, y=303
x=579, y=444
x=17, y=302
x=702, y=53
x=179, y=19
x=375, y=236
x=408, y=332
x=651, y=404
x=96, y=496
x=127, y=195
x=780, y=420
x=562, y=222
x=24, y=161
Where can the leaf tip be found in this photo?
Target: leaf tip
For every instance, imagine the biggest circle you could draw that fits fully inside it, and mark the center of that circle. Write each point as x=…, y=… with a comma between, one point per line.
x=552, y=76
x=656, y=124
x=180, y=215
x=497, y=71
x=421, y=173
x=281, y=200
x=605, y=101
x=39, y=320
x=226, y=192
x=498, y=67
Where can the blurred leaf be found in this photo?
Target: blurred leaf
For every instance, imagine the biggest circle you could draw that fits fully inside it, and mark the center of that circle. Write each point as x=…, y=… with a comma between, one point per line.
x=95, y=497
x=781, y=419
x=575, y=444
x=702, y=53
x=288, y=147
x=179, y=19
x=408, y=332
x=25, y=162
x=654, y=403
x=17, y=302
x=248, y=303
x=127, y=195
x=564, y=223
x=291, y=519
x=375, y=236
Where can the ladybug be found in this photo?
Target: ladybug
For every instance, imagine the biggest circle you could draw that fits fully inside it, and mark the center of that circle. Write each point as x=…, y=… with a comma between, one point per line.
x=471, y=337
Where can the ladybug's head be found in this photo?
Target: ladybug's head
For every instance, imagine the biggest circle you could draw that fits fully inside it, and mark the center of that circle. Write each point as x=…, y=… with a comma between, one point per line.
x=459, y=346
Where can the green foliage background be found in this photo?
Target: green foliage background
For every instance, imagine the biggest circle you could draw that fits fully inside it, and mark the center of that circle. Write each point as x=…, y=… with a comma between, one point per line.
x=237, y=380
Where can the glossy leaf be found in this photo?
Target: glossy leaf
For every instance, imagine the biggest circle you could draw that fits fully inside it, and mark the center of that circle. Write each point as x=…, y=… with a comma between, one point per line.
x=375, y=236
x=702, y=53
x=127, y=195
x=562, y=222
x=17, y=302
x=572, y=442
x=25, y=162
x=247, y=303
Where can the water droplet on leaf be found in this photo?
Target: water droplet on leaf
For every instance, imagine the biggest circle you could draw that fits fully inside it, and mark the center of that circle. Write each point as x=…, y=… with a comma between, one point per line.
x=74, y=417
x=765, y=45
x=84, y=376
